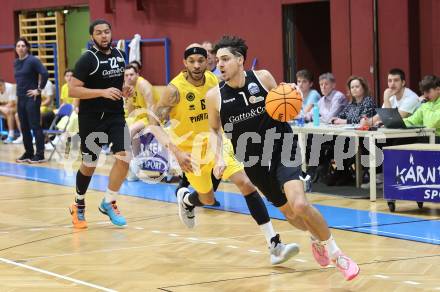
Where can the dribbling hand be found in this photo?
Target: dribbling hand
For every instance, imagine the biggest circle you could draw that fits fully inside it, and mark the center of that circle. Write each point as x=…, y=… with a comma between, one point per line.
x=294, y=87
x=112, y=93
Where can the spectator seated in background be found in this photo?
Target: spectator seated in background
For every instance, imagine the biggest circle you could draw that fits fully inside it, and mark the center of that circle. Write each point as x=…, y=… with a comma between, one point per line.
x=396, y=96
x=137, y=64
x=361, y=105
x=138, y=104
x=428, y=114
x=8, y=107
x=212, y=63
x=65, y=98
x=304, y=80
x=72, y=127
x=332, y=102
x=330, y=105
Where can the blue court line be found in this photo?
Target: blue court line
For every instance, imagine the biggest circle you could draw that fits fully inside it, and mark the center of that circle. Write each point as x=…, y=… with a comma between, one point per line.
x=382, y=224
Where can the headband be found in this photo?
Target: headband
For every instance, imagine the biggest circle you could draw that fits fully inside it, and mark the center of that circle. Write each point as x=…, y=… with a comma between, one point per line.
x=195, y=51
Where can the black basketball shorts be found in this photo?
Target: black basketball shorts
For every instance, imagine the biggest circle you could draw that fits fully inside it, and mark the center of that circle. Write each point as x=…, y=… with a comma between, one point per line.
x=270, y=180
x=100, y=128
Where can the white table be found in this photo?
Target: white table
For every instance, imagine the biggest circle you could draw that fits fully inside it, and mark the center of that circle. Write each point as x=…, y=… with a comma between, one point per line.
x=372, y=136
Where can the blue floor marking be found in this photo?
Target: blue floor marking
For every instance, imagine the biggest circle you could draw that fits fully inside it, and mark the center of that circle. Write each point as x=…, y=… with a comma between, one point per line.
x=382, y=224
x=423, y=231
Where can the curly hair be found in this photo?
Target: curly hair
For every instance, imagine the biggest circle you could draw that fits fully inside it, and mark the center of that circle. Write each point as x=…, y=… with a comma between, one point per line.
x=98, y=22
x=236, y=45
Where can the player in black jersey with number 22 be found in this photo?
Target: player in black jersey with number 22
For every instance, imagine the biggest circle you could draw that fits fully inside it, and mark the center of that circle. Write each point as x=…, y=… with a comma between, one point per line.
x=98, y=81
x=238, y=106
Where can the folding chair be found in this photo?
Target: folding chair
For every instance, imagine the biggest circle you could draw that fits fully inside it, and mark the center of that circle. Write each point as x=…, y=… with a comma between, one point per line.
x=64, y=111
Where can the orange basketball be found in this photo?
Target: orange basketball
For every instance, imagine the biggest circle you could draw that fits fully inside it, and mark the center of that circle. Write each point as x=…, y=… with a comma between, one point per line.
x=283, y=103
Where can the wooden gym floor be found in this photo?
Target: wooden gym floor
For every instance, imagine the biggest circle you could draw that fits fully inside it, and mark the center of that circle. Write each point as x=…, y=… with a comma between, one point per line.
x=40, y=251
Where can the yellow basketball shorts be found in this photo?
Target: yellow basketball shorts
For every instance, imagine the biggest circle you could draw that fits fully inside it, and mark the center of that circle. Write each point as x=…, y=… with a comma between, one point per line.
x=202, y=182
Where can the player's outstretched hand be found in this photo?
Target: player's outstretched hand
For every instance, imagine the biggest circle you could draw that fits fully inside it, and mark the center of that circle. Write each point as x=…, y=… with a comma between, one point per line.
x=112, y=93
x=185, y=161
x=219, y=168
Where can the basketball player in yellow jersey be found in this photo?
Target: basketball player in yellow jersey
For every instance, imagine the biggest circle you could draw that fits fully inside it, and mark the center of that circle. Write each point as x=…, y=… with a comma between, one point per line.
x=183, y=102
x=140, y=101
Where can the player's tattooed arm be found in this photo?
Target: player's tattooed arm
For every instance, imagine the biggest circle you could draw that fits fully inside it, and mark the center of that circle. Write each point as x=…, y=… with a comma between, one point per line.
x=166, y=103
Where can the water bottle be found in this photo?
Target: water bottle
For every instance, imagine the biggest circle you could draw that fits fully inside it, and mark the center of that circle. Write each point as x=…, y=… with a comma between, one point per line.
x=315, y=114
x=300, y=119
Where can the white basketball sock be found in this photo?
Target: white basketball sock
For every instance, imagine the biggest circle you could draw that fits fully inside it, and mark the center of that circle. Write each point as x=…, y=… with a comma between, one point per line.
x=268, y=231
x=110, y=196
x=332, y=247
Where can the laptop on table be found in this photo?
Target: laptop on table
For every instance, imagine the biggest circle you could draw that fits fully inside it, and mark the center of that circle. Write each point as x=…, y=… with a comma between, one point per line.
x=392, y=120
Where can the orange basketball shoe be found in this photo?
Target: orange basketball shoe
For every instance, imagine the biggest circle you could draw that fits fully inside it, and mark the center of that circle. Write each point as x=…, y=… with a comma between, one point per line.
x=78, y=218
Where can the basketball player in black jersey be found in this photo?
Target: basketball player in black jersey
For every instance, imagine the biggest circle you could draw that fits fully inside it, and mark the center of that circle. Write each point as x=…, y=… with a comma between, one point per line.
x=238, y=106
x=98, y=80
x=173, y=105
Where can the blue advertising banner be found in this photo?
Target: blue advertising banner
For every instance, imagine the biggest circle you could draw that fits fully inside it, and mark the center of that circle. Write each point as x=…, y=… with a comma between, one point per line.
x=412, y=175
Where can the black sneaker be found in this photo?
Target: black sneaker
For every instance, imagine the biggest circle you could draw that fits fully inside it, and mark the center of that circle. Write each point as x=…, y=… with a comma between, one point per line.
x=24, y=158
x=37, y=158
